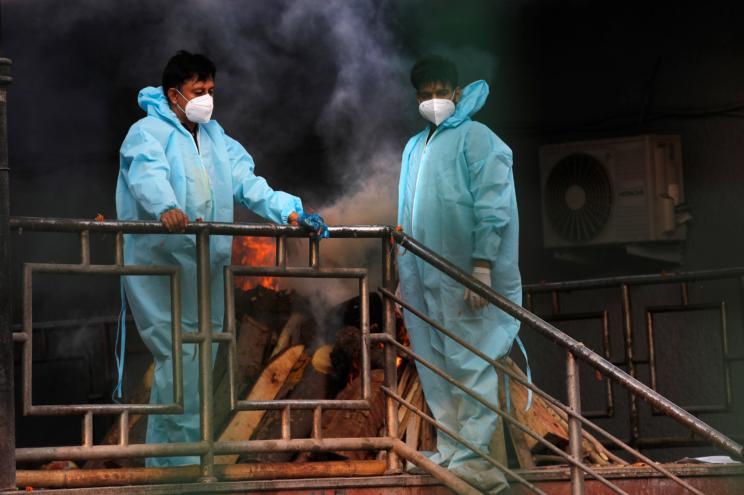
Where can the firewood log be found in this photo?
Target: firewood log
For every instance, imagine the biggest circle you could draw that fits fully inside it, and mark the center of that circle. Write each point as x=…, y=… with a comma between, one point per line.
x=252, y=343
x=290, y=334
x=353, y=424
x=309, y=380
x=549, y=422
x=243, y=423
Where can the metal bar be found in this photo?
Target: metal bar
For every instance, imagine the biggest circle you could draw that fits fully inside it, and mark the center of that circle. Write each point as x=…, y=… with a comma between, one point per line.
x=444, y=475
x=119, y=249
x=88, y=429
x=230, y=328
x=85, y=247
x=661, y=278
x=177, y=349
x=317, y=423
x=507, y=417
x=44, y=224
x=27, y=358
x=74, y=453
x=124, y=428
x=298, y=272
x=302, y=445
x=364, y=319
x=7, y=407
x=461, y=440
x=635, y=422
x=391, y=369
x=556, y=302
x=130, y=477
x=549, y=398
x=281, y=252
x=577, y=348
x=574, y=426
x=72, y=409
x=650, y=343
x=286, y=423
x=261, y=405
x=101, y=269
x=610, y=410
x=204, y=306
x=313, y=252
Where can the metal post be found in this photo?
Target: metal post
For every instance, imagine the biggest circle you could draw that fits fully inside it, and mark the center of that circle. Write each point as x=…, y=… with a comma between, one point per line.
x=7, y=410
x=391, y=371
x=204, y=302
x=574, y=425
x=635, y=427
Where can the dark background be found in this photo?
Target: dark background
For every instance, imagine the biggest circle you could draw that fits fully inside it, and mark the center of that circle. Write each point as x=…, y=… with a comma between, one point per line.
x=318, y=94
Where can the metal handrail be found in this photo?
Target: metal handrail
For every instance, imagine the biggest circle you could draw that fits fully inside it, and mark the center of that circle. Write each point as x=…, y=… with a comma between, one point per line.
x=578, y=349
x=552, y=400
x=645, y=279
x=208, y=447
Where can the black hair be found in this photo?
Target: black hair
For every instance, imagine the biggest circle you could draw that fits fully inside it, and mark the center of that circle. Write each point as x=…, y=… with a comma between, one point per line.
x=433, y=69
x=183, y=66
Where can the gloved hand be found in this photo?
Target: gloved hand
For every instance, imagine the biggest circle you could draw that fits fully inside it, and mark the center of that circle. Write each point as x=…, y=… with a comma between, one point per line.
x=314, y=223
x=483, y=275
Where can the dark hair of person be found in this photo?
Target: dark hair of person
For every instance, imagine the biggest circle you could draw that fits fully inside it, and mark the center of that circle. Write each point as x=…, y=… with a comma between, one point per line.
x=183, y=66
x=433, y=69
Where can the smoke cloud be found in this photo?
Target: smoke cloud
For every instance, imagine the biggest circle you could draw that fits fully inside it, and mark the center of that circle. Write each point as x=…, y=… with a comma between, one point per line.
x=317, y=92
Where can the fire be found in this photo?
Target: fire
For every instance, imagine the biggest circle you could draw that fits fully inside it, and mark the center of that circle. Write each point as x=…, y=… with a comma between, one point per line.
x=254, y=251
x=398, y=361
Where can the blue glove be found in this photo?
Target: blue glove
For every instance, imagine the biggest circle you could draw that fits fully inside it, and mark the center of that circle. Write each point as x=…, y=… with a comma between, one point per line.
x=315, y=224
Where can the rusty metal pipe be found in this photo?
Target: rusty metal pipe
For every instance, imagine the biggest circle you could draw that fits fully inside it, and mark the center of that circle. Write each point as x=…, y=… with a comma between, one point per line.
x=204, y=306
x=444, y=475
x=574, y=426
x=89, y=478
x=391, y=369
x=76, y=452
x=302, y=445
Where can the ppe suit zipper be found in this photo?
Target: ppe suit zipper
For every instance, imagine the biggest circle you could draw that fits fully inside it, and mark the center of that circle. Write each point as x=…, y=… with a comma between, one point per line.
x=418, y=176
x=203, y=168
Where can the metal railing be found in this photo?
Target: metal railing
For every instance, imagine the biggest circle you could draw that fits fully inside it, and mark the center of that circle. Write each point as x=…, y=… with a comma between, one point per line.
x=621, y=288
x=208, y=447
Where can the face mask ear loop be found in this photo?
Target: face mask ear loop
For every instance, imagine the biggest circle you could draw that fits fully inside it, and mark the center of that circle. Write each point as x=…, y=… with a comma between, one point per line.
x=184, y=97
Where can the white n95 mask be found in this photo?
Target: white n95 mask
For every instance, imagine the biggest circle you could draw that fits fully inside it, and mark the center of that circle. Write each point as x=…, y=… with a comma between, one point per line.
x=199, y=110
x=437, y=110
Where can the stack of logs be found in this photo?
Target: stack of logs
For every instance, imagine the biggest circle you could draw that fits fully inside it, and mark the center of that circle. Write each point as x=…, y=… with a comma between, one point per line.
x=284, y=353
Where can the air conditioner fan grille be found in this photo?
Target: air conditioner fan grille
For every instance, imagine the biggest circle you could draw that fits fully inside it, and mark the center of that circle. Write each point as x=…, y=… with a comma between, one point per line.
x=578, y=198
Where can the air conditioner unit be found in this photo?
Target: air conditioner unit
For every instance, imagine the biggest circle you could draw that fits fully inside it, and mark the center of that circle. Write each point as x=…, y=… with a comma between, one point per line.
x=613, y=191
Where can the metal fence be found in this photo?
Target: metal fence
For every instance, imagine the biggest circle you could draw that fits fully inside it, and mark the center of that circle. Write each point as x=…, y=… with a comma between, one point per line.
x=208, y=447
x=640, y=346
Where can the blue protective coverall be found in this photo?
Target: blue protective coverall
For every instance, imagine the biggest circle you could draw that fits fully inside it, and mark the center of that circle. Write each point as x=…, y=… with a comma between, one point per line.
x=162, y=168
x=456, y=196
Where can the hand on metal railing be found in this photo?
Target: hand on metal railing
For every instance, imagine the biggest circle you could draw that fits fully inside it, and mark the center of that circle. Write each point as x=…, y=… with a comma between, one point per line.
x=174, y=220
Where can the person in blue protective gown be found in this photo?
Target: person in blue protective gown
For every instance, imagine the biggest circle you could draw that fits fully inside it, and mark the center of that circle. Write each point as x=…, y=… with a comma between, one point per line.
x=178, y=166
x=456, y=196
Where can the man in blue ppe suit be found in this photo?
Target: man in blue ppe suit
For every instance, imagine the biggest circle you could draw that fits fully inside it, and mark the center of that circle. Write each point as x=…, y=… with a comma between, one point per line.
x=177, y=165
x=456, y=196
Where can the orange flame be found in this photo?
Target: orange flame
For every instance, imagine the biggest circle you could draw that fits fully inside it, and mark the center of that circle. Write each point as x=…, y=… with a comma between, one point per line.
x=254, y=251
